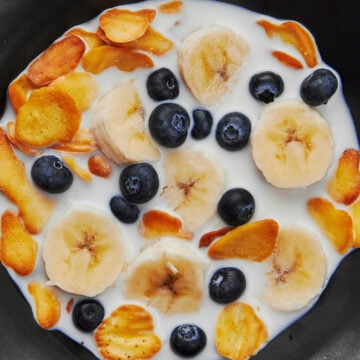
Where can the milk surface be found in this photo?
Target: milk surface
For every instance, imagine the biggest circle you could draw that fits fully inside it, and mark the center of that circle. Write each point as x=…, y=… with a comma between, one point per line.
x=287, y=207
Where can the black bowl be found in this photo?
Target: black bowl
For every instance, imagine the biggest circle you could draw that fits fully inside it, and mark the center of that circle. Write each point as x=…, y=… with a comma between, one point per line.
x=331, y=329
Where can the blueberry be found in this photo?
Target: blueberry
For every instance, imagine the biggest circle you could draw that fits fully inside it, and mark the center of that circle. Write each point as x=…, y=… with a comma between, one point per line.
x=203, y=122
x=124, y=210
x=169, y=124
x=227, y=285
x=88, y=314
x=318, y=87
x=233, y=131
x=187, y=340
x=266, y=86
x=162, y=85
x=236, y=206
x=51, y=175
x=139, y=183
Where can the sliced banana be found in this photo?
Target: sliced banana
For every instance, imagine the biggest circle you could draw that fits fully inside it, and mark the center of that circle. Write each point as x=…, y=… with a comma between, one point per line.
x=118, y=126
x=298, y=270
x=209, y=59
x=84, y=252
x=292, y=144
x=168, y=276
x=194, y=182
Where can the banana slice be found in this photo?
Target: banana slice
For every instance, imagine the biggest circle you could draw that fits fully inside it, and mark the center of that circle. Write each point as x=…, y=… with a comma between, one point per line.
x=168, y=276
x=84, y=252
x=209, y=59
x=194, y=182
x=118, y=126
x=298, y=270
x=292, y=144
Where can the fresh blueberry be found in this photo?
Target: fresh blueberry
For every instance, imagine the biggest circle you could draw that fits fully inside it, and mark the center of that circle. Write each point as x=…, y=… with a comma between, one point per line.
x=266, y=86
x=233, y=131
x=139, y=183
x=124, y=210
x=162, y=85
x=318, y=87
x=187, y=340
x=227, y=285
x=236, y=206
x=203, y=122
x=88, y=314
x=51, y=175
x=169, y=124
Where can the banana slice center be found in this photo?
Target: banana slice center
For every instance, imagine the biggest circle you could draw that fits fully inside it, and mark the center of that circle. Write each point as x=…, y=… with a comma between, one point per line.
x=87, y=245
x=186, y=187
x=282, y=271
x=295, y=137
x=216, y=65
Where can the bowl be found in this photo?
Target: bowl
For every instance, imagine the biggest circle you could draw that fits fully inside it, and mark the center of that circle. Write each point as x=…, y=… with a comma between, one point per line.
x=330, y=330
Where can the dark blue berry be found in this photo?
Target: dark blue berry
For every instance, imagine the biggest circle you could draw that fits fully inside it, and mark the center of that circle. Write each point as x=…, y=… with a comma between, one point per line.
x=50, y=174
x=139, y=183
x=318, y=87
x=227, y=285
x=88, y=314
x=187, y=340
x=203, y=122
x=124, y=210
x=266, y=86
x=169, y=124
x=233, y=131
x=236, y=206
x=162, y=85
